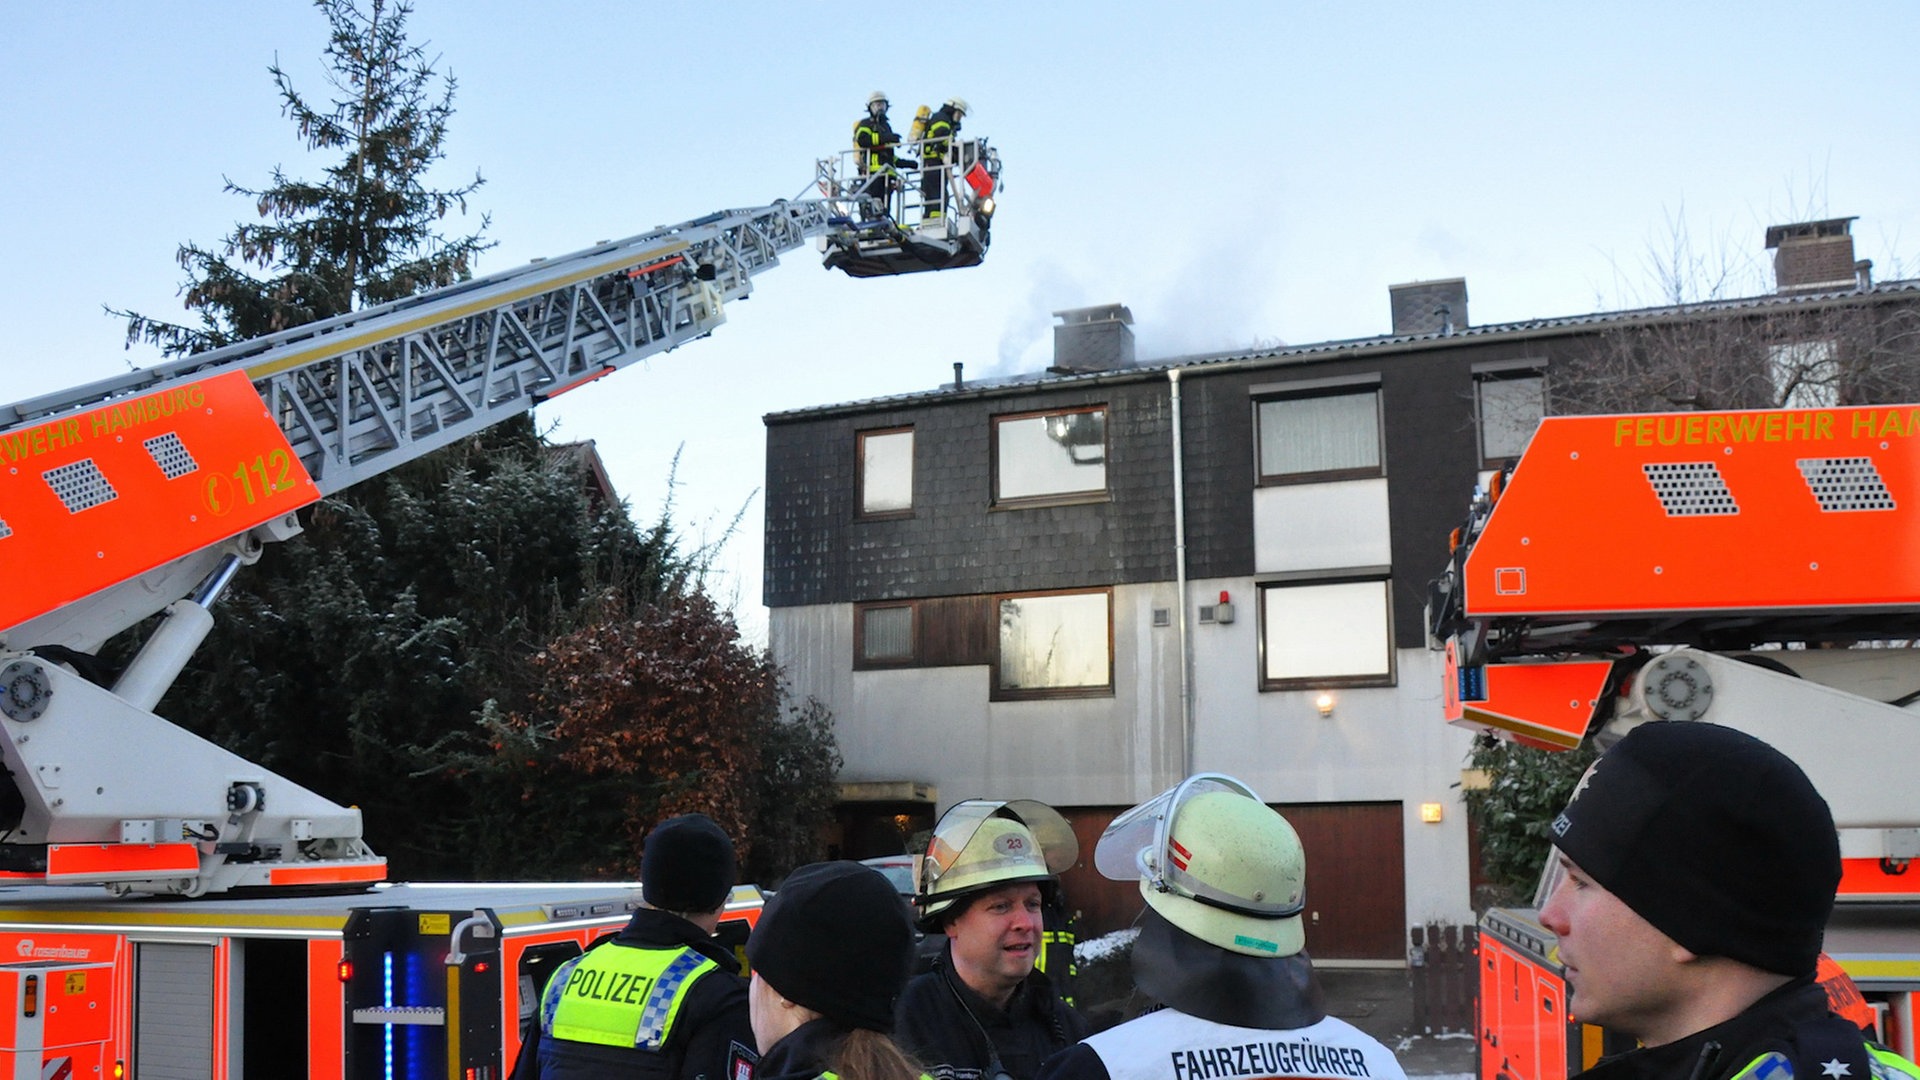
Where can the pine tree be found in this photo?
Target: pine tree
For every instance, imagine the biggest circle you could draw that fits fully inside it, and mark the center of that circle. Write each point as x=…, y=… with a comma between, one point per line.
x=362, y=234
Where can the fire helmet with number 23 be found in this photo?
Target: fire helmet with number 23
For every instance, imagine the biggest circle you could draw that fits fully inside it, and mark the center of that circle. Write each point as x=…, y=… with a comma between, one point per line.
x=982, y=844
x=1216, y=862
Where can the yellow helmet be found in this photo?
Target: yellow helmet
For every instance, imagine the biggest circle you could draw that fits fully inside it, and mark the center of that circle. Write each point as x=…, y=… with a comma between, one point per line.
x=982, y=844
x=1216, y=862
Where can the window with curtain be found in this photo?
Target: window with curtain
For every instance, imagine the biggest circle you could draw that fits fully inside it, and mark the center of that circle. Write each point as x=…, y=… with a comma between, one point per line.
x=1319, y=437
x=1320, y=634
x=886, y=472
x=1510, y=407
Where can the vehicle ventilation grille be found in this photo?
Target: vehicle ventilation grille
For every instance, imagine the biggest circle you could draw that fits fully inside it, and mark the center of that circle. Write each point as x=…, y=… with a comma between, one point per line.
x=5, y=529
x=80, y=486
x=1691, y=489
x=171, y=455
x=1850, y=483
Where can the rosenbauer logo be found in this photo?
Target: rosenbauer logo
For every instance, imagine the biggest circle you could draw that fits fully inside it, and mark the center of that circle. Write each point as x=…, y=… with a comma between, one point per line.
x=30, y=951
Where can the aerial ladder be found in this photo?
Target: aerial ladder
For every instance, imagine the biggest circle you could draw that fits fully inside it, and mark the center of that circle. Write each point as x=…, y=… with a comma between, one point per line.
x=1754, y=569
x=144, y=494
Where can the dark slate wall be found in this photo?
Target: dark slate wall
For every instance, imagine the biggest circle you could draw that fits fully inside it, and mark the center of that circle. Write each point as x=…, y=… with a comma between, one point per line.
x=818, y=550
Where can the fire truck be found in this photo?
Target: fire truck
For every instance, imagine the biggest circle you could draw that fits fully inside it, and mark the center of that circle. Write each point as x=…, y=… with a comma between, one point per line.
x=168, y=908
x=1754, y=569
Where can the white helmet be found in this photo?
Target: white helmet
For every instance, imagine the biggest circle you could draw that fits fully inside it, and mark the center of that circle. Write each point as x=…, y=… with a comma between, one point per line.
x=878, y=97
x=982, y=844
x=1216, y=862
x=958, y=105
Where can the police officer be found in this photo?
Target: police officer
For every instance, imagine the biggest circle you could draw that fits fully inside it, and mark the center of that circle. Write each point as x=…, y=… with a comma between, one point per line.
x=1699, y=868
x=830, y=956
x=984, y=1011
x=661, y=999
x=935, y=153
x=873, y=142
x=1221, y=948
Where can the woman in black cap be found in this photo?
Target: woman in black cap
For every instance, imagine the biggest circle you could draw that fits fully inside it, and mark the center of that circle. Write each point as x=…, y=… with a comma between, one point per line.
x=830, y=956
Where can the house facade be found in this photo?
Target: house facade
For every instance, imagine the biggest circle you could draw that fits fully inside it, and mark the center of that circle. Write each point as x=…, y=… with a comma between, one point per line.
x=1083, y=584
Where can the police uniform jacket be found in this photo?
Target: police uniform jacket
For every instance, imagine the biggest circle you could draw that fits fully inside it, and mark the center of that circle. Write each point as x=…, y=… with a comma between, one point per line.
x=709, y=1036
x=1226, y=1016
x=1789, y=1033
x=955, y=1032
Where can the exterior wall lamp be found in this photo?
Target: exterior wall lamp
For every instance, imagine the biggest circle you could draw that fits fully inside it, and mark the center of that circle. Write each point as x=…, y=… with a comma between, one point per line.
x=1432, y=812
x=1324, y=703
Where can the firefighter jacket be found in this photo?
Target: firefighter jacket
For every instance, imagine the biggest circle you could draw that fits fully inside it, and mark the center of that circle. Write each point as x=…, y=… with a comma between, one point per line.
x=941, y=127
x=1055, y=957
x=659, y=1000
x=956, y=1034
x=1789, y=1033
x=873, y=137
x=1226, y=1016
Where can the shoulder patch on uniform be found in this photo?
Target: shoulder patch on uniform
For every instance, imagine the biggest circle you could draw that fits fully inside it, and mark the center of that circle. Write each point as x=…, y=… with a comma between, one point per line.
x=740, y=1062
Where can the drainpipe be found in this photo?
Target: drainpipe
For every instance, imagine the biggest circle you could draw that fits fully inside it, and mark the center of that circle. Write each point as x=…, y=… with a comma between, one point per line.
x=1180, y=579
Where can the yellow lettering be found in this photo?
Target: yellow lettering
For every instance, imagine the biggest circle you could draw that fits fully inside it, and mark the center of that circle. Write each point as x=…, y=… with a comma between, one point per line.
x=1862, y=422
x=1746, y=427
x=1823, y=425
x=1643, y=432
x=1798, y=424
x=1622, y=430
x=1716, y=429
x=98, y=421
x=1695, y=425
x=1668, y=430
x=196, y=396
x=19, y=445
x=40, y=439
x=1891, y=423
x=1775, y=422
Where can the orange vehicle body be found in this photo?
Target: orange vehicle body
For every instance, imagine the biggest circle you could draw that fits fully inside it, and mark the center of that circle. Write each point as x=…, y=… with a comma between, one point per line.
x=405, y=981
x=1616, y=540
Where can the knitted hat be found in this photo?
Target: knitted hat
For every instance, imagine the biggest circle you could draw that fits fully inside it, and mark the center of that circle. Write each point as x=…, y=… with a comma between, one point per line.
x=687, y=865
x=836, y=939
x=1714, y=837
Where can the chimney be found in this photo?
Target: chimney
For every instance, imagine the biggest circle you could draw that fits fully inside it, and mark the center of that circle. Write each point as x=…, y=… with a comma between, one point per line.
x=1429, y=307
x=1813, y=256
x=1092, y=339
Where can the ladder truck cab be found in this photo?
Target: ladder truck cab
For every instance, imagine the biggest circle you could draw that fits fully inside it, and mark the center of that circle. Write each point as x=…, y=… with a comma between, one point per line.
x=897, y=227
x=1752, y=569
x=144, y=495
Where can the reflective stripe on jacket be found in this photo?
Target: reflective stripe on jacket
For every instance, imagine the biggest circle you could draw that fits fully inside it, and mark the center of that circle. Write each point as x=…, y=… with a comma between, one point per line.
x=620, y=996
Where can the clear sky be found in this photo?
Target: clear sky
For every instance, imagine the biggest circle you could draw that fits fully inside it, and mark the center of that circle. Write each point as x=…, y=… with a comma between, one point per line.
x=1234, y=172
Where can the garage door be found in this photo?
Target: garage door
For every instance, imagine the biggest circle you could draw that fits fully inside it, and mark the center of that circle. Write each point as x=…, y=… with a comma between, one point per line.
x=1356, y=879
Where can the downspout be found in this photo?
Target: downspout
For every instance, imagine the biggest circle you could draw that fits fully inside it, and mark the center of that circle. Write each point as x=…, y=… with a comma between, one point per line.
x=1180, y=578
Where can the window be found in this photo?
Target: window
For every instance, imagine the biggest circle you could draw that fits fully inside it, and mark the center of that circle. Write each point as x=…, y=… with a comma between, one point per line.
x=886, y=634
x=1050, y=457
x=1055, y=645
x=886, y=472
x=1325, y=633
x=1510, y=406
x=1327, y=436
x=937, y=631
x=1805, y=374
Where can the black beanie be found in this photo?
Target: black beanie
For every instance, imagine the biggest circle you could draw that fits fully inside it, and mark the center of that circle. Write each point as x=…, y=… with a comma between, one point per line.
x=1714, y=837
x=687, y=865
x=837, y=939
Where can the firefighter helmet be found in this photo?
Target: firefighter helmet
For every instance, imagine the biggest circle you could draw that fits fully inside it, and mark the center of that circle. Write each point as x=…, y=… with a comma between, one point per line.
x=878, y=97
x=1216, y=862
x=982, y=844
x=958, y=105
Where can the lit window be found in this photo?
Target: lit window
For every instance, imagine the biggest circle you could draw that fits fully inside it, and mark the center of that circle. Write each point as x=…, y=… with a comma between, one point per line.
x=886, y=634
x=886, y=471
x=1059, y=644
x=1050, y=455
x=1510, y=407
x=1325, y=634
x=1322, y=437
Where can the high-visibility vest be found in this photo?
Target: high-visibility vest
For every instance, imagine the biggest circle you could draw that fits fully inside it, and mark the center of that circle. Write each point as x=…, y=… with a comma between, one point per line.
x=618, y=995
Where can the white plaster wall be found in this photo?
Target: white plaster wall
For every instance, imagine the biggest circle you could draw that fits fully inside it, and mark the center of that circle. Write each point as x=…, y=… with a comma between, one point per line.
x=937, y=725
